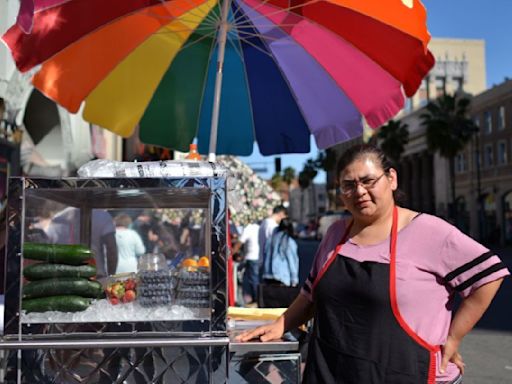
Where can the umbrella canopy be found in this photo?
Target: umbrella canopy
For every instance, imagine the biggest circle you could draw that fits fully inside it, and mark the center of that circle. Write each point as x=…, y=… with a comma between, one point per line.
x=272, y=71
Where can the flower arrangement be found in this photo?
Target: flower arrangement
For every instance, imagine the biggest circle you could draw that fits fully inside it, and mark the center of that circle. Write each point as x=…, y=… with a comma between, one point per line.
x=250, y=198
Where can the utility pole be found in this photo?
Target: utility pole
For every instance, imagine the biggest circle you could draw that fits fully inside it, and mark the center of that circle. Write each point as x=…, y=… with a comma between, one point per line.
x=479, y=188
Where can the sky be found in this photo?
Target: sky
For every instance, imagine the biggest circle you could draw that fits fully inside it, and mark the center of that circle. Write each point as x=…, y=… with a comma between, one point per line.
x=490, y=20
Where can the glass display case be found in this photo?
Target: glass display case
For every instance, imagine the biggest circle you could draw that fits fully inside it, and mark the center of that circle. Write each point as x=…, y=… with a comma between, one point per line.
x=79, y=294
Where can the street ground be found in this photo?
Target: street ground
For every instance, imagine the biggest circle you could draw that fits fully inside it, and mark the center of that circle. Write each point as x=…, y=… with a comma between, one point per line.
x=487, y=350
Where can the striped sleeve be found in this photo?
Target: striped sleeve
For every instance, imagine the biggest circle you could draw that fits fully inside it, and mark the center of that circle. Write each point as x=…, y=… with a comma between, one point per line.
x=324, y=251
x=468, y=264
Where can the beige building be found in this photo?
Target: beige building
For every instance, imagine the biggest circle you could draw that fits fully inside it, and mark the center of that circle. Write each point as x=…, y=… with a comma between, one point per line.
x=460, y=63
x=491, y=175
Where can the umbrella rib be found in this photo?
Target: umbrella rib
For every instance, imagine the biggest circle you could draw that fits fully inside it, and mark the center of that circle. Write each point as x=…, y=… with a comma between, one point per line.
x=200, y=29
x=236, y=47
x=255, y=46
x=261, y=36
x=187, y=11
x=185, y=46
x=239, y=10
x=248, y=26
x=195, y=7
x=278, y=10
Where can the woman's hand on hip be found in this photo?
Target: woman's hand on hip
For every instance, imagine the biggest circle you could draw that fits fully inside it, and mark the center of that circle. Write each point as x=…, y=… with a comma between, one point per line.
x=450, y=353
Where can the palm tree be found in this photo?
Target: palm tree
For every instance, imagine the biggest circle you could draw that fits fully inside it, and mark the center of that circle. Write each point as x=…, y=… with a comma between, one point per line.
x=288, y=175
x=393, y=138
x=276, y=181
x=326, y=161
x=449, y=129
x=306, y=177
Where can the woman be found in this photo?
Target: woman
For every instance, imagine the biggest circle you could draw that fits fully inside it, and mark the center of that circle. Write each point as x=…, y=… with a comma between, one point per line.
x=281, y=260
x=382, y=287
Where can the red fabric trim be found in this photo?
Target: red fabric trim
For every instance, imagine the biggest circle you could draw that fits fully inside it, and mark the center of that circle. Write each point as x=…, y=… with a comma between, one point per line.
x=230, y=282
x=432, y=368
x=392, y=290
x=329, y=262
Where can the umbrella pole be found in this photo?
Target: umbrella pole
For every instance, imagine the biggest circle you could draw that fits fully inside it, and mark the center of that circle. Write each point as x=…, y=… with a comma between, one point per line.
x=221, y=38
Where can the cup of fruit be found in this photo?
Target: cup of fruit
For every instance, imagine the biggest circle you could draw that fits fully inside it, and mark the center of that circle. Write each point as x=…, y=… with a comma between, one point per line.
x=121, y=288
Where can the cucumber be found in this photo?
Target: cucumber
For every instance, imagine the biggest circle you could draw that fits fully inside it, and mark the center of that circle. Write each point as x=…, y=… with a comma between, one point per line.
x=73, y=254
x=62, y=286
x=42, y=271
x=67, y=303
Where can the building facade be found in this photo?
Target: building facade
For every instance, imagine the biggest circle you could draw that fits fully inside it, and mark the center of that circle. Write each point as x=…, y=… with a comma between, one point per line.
x=484, y=168
x=424, y=177
x=307, y=204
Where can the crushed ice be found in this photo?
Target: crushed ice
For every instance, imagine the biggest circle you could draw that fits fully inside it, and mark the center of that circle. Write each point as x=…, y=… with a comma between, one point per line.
x=103, y=311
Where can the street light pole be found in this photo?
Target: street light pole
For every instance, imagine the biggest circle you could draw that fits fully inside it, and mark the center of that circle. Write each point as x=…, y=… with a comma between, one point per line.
x=479, y=187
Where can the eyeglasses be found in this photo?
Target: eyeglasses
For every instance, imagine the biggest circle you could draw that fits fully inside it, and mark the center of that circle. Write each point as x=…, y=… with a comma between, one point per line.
x=348, y=187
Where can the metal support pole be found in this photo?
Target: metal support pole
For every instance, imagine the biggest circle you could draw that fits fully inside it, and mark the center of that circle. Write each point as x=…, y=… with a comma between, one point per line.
x=479, y=188
x=221, y=39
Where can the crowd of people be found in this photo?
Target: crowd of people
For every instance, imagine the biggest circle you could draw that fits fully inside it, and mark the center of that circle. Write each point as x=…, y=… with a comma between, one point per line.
x=267, y=256
x=118, y=238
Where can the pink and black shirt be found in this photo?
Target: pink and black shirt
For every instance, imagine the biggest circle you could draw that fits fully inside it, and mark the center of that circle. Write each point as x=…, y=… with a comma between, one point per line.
x=434, y=262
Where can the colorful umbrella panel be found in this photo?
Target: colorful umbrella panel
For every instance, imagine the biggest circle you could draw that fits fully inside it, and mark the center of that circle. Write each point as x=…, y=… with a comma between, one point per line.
x=290, y=69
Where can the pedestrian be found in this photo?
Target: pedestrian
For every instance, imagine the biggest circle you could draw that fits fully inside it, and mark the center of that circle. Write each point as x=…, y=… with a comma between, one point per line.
x=281, y=258
x=382, y=287
x=129, y=244
x=267, y=227
x=142, y=224
x=251, y=252
x=162, y=241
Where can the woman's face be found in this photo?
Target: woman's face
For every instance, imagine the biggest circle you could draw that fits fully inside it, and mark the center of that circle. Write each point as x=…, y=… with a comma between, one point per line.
x=367, y=190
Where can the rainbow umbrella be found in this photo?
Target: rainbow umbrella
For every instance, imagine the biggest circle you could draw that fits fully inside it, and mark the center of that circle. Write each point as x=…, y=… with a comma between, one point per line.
x=226, y=72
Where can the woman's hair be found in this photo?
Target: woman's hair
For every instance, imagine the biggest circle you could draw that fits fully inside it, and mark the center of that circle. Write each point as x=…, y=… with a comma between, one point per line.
x=361, y=151
x=286, y=226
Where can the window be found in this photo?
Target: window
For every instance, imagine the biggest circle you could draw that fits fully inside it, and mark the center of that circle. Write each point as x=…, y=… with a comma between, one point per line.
x=502, y=152
x=478, y=159
x=408, y=104
x=501, y=118
x=460, y=163
x=487, y=122
x=458, y=82
x=440, y=82
x=488, y=156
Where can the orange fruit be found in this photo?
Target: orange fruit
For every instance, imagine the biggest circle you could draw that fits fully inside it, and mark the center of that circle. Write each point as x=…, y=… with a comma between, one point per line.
x=189, y=263
x=204, y=262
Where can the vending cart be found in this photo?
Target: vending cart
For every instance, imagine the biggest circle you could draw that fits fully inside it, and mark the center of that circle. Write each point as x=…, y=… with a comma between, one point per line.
x=78, y=311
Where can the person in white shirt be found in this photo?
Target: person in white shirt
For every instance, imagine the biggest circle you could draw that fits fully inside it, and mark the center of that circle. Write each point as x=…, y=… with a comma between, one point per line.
x=249, y=240
x=129, y=244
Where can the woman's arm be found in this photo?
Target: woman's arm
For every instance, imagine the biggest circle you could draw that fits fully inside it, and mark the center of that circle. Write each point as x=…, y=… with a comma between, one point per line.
x=299, y=312
x=468, y=314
